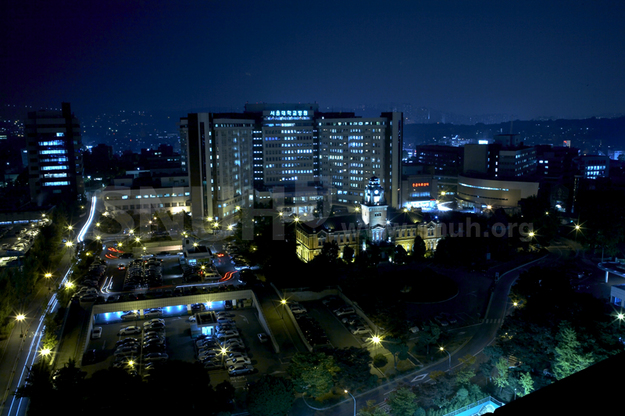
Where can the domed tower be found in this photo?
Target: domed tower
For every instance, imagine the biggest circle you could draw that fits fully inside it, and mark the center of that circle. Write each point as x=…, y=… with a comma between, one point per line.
x=374, y=209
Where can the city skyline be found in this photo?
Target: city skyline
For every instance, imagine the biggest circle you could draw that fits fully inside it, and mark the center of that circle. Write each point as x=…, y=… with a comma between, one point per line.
x=527, y=60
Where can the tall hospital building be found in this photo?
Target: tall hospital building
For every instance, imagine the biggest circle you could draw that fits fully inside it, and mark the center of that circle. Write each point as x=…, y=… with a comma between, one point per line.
x=231, y=157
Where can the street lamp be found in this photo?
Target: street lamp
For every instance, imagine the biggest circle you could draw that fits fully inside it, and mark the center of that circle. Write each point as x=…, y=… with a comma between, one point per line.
x=347, y=391
x=48, y=277
x=69, y=285
x=377, y=341
x=45, y=352
x=20, y=318
x=223, y=353
x=443, y=349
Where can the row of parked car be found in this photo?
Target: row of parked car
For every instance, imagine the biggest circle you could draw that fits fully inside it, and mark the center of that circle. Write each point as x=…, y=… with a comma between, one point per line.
x=225, y=349
x=347, y=315
x=145, y=344
x=143, y=273
x=237, y=259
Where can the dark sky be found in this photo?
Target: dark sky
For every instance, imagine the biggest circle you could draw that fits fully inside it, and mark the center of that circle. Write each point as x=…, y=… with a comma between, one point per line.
x=527, y=58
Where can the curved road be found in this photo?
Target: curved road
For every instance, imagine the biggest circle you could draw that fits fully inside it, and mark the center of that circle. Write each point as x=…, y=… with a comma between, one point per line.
x=483, y=335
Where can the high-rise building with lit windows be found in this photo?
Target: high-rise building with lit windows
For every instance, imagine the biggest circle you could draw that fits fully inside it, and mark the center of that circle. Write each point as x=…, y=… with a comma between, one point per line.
x=288, y=146
x=55, y=165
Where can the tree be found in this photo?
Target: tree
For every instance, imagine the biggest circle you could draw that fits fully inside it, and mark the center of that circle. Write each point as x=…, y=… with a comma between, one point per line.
x=569, y=358
x=380, y=360
x=501, y=379
x=372, y=410
x=439, y=393
x=400, y=254
x=270, y=396
x=354, y=367
x=224, y=392
x=418, y=248
x=348, y=254
x=430, y=334
x=527, y=383
x=403, y=402
x=466, y=372
x=312, y=373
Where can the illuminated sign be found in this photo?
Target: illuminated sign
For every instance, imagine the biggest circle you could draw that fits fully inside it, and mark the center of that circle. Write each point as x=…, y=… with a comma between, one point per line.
x=420, y=184
x=287, y=114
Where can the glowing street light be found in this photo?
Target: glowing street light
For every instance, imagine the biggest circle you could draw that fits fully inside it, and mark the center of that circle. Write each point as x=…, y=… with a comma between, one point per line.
x=443, y=349
x=48, y=277
x=20, y=318
x=68, y=244
x=347, y=391
x=69, y=285
x=45, y=352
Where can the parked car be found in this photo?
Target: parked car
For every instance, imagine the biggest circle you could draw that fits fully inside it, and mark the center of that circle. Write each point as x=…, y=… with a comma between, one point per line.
x=240, y=369
x=154, y=312
x=238, y=360
x=127, y=341
x=129, y=316
x=211, y=364
x=359, y=330
x=296, y=309
x=96, y=332
x=129, y=330
x=155, y=356
x=154, y=326
x=228, y=334
x=344, y=311
x=126, y=350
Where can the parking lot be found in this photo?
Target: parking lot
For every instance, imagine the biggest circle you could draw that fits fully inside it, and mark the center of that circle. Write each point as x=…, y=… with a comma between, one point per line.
x=179, y=345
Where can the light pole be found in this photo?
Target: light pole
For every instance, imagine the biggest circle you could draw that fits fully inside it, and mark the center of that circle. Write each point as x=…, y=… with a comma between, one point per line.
x=347, y=391
x=283, y=303
x=20, y=318
x=48, y=277
x=45, y=353
x=376, y=342
x=443, y=349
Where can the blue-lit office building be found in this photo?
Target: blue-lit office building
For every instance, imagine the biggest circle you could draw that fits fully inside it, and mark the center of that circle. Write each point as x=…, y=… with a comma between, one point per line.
x=55, y=165
x=288, y=146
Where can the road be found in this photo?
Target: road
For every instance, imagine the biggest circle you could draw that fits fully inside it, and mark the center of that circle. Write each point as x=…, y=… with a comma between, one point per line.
x=20, y=352
x=481, y=336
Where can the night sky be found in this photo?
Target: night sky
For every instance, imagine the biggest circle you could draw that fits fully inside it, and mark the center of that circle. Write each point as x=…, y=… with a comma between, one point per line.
x=526, y=58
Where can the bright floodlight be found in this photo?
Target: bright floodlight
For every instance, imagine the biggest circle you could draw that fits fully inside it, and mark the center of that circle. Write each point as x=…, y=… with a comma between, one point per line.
x=376, y=339
x=283, y=301
x=20, y=317
x=46, y=351
x=620, y=316
x=69, y=285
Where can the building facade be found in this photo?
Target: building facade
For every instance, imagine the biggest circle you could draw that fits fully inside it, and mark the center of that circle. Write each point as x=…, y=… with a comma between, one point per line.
x=375, y=224
x=229, y=155
x=55, y=163
x=478, y=193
